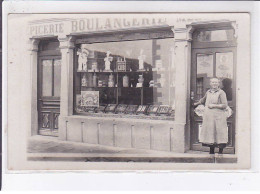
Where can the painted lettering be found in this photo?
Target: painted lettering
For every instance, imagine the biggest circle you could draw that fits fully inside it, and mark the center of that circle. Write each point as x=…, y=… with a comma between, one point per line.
x=135, y=22
x=90, y=24
x=98, y=27
x=45, y=29
x=81, y=25
x=126, y=23
x=117, y=23
x=145, y=21
x=107, y=24
x=61, y=27
x=74, y=26
x=95, y=24
x=51, y=29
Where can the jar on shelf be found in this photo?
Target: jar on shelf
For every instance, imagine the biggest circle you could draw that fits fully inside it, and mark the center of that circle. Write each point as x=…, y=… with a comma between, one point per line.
x=125, y=81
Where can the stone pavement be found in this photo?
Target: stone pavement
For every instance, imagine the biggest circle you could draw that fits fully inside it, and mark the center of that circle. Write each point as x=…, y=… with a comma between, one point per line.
x=46, y=148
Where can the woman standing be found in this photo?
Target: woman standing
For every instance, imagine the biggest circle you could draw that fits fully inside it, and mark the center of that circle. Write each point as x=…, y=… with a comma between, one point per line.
x=214, y=132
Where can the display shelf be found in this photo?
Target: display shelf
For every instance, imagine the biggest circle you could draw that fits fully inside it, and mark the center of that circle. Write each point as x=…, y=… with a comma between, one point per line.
x=119, y=72
x=124, y=87
x=129, y=116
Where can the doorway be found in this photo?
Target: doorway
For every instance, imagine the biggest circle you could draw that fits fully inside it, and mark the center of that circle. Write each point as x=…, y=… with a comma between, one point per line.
x=213, y=54
x=49, y=82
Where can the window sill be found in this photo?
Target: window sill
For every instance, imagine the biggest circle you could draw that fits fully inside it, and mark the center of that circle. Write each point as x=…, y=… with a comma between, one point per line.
x=109, y=116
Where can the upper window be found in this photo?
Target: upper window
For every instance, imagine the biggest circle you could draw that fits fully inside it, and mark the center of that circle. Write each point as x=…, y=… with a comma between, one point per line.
x=128, y=77
x=213, y=36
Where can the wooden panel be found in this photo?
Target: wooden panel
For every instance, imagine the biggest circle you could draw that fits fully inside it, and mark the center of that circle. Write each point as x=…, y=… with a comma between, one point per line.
x=56, y=120
x=46, y=120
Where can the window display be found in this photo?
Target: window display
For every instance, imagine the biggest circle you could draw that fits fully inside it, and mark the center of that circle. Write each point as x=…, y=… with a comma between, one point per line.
x=127, y=77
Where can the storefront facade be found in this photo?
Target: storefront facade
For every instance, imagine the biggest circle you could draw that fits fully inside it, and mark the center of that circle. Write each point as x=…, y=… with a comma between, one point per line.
x=129, y=81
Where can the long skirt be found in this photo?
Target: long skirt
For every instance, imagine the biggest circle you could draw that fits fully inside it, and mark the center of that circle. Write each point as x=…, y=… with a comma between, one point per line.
x=214, y=127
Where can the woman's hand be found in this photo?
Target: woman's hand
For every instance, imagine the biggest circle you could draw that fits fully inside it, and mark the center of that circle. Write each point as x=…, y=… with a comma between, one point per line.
x=211, y=106
x=196, y=103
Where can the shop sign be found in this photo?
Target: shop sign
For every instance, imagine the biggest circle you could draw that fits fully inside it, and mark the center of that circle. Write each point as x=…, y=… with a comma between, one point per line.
x=54, y=27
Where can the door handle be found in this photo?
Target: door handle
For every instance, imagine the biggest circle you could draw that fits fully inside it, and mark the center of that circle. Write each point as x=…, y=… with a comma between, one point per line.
x=192, y=95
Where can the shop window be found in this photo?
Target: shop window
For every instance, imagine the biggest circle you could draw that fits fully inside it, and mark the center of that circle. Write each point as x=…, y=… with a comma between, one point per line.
x=125, y=78
x=210, y=36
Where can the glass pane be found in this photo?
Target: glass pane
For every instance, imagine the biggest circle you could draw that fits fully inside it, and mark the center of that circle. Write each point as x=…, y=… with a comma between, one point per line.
x=47, y=78
x=57, y=77
x=224, y=65
x=138, y=72
x=224, y=70
x=204, y=73
x=216, y=35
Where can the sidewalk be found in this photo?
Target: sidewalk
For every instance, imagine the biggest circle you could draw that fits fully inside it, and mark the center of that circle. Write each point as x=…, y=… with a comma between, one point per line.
x=45, y=148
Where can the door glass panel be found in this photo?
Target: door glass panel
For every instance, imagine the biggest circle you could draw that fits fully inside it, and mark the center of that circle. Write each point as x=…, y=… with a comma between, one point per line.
x=57, y=77
x=204, y=73
x=47, y=78
x=224, y=65
x=224, y=71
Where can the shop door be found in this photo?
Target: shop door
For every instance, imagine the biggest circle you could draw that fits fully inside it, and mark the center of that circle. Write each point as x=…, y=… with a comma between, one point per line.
x=49, y=81
x=206, y=63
